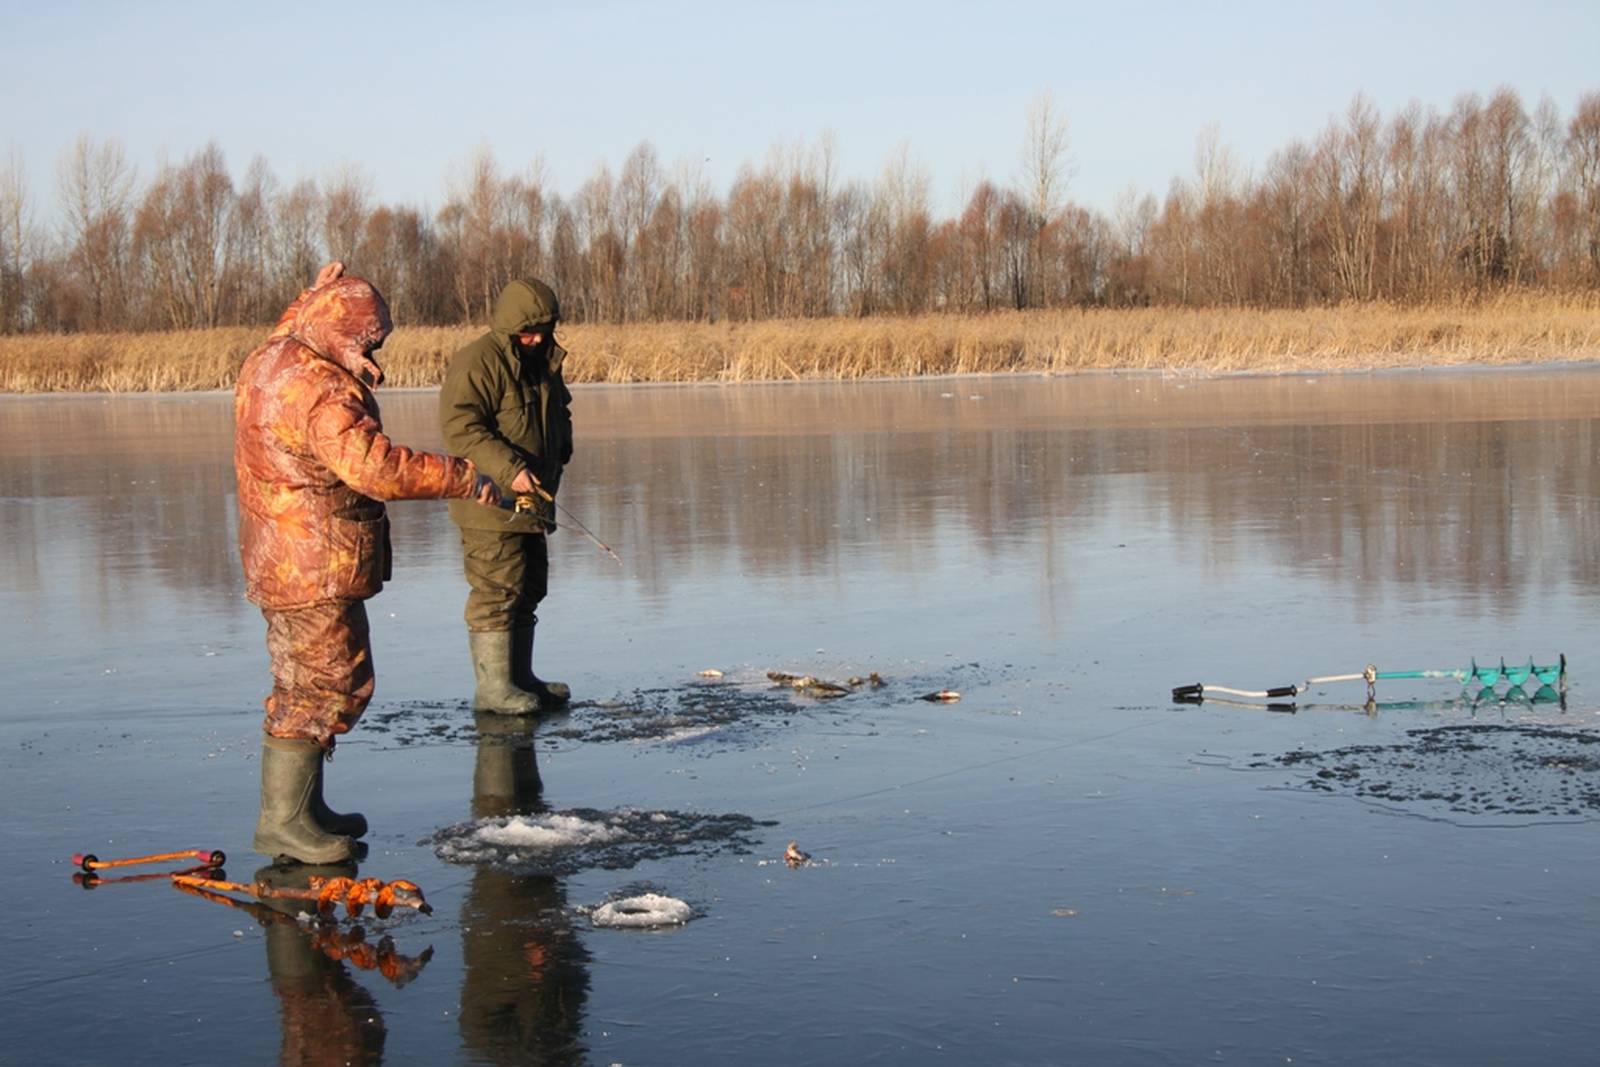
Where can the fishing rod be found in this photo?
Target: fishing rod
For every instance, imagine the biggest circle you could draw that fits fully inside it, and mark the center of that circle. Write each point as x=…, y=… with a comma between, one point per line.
x=1549, y=675
x=523, y=503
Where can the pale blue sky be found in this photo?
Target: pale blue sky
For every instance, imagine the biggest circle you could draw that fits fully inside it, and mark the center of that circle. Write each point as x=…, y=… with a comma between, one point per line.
x=408, y=90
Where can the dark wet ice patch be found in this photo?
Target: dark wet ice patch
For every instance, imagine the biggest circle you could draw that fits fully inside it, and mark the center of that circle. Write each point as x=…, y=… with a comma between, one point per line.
x=730, y=713
x=413, y=722
x=1475, y=769
x=564, y=842
x=735, y=710
x=722, y=713
x=738, y=708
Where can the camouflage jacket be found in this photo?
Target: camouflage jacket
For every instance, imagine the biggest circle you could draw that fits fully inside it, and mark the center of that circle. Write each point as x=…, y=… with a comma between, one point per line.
x=312, y=459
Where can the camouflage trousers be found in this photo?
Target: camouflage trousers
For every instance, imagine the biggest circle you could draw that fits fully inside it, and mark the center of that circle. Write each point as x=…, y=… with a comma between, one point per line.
x=321, y=670
x=509, y=574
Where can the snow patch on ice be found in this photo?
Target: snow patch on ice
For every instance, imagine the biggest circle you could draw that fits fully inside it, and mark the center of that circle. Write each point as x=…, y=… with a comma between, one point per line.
x=493, y=838
x=546, y=831
x=646, y=911
x=584, y=838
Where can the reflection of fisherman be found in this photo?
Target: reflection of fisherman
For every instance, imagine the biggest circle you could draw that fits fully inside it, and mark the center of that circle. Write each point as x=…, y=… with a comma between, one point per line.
x=505, y=406
x=313, y=463
x=525, y=976
x=328, y=1017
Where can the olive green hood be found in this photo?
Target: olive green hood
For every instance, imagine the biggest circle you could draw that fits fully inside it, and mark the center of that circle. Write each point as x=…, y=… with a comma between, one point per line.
x=524, y=305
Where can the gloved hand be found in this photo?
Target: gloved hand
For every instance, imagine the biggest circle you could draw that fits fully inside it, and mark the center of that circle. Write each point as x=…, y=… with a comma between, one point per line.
x=486, y=492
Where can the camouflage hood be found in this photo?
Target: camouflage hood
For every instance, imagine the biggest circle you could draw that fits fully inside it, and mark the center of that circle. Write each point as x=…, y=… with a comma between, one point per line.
x=343, y=320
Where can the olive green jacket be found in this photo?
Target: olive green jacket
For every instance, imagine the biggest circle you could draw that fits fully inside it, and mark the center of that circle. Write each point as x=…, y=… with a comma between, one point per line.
x=506, y=411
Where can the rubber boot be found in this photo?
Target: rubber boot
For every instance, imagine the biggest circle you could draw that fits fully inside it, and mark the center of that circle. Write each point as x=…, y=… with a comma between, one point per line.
x=491, y=662
x=550, y=694
x=351, y=824
x=287, y=829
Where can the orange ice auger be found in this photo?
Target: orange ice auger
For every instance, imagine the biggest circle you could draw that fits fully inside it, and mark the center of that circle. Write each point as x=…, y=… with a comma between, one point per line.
x=326, y=893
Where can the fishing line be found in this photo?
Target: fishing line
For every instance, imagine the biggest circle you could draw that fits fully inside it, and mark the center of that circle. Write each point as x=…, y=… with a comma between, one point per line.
x=523, y=503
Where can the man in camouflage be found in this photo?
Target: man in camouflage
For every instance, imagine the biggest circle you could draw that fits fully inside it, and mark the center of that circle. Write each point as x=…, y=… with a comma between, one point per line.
x=313, y=464
x=506, y=407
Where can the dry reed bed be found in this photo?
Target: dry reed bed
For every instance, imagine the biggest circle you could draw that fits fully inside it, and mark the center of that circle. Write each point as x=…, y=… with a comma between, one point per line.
x=1511, y=329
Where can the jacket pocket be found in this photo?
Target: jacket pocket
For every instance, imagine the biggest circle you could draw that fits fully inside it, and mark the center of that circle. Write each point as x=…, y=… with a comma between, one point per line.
x=512, y=420
x=358, y=557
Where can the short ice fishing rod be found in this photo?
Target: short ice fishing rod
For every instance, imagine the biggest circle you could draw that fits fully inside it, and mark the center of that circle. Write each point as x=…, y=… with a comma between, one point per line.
x=523, y=503
x=1552, y=674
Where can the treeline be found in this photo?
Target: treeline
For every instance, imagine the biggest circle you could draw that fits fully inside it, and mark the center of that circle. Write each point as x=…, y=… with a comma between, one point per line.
x=1423, y=206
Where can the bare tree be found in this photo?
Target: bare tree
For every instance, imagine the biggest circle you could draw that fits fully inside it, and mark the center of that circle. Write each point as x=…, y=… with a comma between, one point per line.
x=1046, y=167
x=1218, y=226
x=182, y=236
x=96, y=189
x=1288, y=216
x=346, y=201
x=16, y=243
x=1583, y=153
x=638, y=192
x=251, y=245
x=903, y=195
x=296, y=242
x=1042, y=181
x=1351, y=180
x=1128, y=261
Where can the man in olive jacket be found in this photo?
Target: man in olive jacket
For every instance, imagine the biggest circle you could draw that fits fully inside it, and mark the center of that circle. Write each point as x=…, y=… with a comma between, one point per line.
x=505, y=407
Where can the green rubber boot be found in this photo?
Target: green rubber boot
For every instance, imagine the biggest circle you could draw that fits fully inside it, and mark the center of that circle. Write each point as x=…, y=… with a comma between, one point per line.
x=346, y=824
x=491, y=662
x=550, y=694
x=287, y=828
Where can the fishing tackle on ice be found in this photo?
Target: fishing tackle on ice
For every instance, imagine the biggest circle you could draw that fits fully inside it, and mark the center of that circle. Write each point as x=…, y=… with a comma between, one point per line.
x=1549, y=675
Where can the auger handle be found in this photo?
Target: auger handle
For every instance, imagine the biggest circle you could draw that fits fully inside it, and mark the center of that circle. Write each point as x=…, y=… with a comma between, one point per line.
x=209, y=857
x=1194, y=694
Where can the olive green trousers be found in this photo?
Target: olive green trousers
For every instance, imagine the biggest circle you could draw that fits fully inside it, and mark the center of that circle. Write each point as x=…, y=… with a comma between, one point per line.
x=508, y=575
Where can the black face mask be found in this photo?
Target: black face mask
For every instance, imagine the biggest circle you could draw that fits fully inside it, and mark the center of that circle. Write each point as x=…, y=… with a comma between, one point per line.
x=540, y=349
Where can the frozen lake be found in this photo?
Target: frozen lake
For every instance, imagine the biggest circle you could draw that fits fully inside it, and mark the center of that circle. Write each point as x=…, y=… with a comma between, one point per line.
x=1063, y=866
